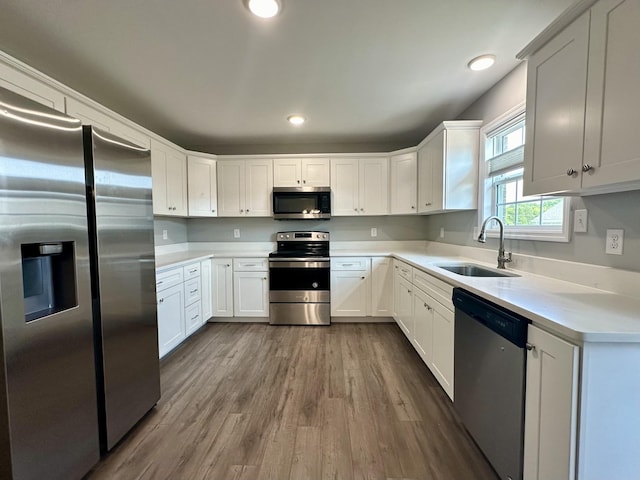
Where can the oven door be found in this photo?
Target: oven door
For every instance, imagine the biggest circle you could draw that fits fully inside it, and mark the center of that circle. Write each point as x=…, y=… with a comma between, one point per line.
x=299, y=281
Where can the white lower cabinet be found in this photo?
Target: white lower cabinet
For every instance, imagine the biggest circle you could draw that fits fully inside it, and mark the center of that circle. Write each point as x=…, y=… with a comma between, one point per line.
x=361, y=287
x=250, y=294
x=171, y=318
x=206, y=298
x=551, y=407
x=222, y=287
x=424, y=311
x=179, y=296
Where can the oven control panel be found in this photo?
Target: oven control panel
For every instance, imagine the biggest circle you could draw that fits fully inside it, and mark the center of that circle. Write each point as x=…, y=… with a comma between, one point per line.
x=302, y=236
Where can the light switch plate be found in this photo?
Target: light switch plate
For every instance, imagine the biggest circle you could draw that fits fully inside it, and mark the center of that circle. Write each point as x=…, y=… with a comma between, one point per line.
x=615, y=240
x=580, y=221
x=374, y=232
x=165, y=236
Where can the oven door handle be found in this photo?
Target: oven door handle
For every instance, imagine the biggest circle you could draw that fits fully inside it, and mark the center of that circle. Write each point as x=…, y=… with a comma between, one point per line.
x=299, y=264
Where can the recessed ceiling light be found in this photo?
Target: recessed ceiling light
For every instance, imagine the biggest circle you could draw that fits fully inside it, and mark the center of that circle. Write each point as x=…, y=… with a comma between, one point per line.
x=482, y=62
x=264, y=8
x=296, y=120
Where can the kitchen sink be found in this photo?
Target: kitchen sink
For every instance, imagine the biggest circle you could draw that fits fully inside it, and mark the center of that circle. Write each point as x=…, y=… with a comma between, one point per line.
x=471, y=270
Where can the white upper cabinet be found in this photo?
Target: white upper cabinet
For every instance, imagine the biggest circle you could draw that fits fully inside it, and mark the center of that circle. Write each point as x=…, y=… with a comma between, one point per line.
x=89, y=115
x=404, y=183
x=169, y=175
x=244, y=188
x=582, y=104
x=556, y=92
x=448, y=168
x=360, y=186
x=301, y=172
x=26, y=85
x=202, y=186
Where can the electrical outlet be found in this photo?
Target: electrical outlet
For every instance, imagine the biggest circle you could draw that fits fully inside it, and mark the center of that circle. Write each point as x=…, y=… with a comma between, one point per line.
x=476, y=232
x=236, y=233
x=615, y=240
x=441, y=232
x=165, y=236
x=580, y=221
x=374, y=232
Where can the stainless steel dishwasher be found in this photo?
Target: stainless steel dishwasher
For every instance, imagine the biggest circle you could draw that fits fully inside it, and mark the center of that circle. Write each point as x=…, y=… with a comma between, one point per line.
x=489, y=379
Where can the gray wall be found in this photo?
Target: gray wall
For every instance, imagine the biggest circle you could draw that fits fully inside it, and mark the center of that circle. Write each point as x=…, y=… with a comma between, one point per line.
x=176, y=230
x=618, y=210
x=341, y=228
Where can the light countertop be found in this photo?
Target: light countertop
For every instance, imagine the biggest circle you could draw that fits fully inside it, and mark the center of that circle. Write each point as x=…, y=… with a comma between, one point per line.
x=575, y=312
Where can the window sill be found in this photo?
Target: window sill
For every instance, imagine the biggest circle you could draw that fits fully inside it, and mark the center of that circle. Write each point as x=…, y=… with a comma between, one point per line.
x=559, y=237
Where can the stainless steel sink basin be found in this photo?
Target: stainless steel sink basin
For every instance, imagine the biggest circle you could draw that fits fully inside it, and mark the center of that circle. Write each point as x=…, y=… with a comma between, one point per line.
x=471, y=270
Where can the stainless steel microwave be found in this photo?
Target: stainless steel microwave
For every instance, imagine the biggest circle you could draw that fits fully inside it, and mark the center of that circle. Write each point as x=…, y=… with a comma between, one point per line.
x=299, y=203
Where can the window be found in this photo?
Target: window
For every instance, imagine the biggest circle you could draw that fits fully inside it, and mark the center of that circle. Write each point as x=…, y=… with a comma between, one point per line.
x=525, y=217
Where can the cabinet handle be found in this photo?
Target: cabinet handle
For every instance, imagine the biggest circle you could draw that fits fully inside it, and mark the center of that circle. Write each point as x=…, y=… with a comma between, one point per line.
x=159, y=283
x=587, y=168
x=161, y=300
x=249, y=265
x=346, y=265
x=408, y=291
x=530, y=346
x=193, y=318
x=427, y=204
x=572, y=172
x=193, y=271
x=193, y=291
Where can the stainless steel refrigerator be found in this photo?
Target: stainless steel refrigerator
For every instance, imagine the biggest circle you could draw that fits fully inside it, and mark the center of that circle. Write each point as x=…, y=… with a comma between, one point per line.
x=78, y=332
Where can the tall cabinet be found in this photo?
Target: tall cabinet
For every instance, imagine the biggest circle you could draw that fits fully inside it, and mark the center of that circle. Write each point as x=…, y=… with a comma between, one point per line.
x=169, y=176
x=202, y=186
x=404, y=183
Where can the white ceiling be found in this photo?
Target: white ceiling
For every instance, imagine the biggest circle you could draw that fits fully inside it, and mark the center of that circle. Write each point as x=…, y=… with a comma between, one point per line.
x=206, y=73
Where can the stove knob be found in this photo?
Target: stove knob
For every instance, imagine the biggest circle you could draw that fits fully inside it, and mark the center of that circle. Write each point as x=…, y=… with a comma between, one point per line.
x=325, y=236
x=286, y=236
x=314, y=284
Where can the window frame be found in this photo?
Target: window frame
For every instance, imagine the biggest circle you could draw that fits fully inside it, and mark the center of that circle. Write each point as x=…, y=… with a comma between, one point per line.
x=486, y=194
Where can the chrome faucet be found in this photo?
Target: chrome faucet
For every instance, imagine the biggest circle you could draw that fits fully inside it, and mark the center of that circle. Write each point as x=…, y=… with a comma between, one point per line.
x=482, y=238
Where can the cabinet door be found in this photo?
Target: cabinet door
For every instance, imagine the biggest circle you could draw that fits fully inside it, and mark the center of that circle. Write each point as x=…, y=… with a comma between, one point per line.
x=193, y=318
x=349, y=293
x=222, y=287
x=202, y=187
x=374, y=186
x=443, y=346
x=231, y=188
x=250, y=294
x=171, y=320
x=259, y=185
x=404, y=307
x=286, y=172
x=433, y=182
x=206, y=297
x=24, y=84
x=556, y=103
x=404, y=183
x=425, y=179
x=381, y=287
x=344, y=186
x=612, y=143
x=169, y=176
x=315, y=172
x=422, y=338
x=551, y=401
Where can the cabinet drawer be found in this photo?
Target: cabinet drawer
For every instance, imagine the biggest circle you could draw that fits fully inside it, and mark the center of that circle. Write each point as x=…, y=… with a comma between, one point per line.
x=192, y=270
x=192, y=291
x=350, y=263
x=404, y=270
x=250, y=265
x=169, y=278
x=439, y=290
x=193, y=317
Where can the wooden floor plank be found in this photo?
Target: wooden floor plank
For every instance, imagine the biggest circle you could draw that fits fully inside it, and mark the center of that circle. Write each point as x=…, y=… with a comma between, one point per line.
x=255, y=402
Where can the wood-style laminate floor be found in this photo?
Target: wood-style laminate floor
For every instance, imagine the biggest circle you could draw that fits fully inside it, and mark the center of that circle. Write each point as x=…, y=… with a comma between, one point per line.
x=253, y=401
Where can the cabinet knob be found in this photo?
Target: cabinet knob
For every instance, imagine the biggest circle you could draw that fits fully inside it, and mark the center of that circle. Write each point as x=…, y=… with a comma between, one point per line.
x=264, y=278
x=408, y=291
x=413, y=207
x=161, y=300
x=362, y=209
x=213, y=211
x=530, y=346
x=362, y=278
x=587, y=168
x=227, y=265
x=247, y=211
x=298, y=181
x=304, y=181
x=355, y=209
x=572, y=172
x=241, y=210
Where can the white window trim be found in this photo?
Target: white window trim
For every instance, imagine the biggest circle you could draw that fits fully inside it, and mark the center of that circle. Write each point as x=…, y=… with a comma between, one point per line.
x=563, y=235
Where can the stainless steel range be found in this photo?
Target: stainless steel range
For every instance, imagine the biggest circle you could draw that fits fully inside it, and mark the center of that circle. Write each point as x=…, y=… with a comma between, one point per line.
x=299, y=273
